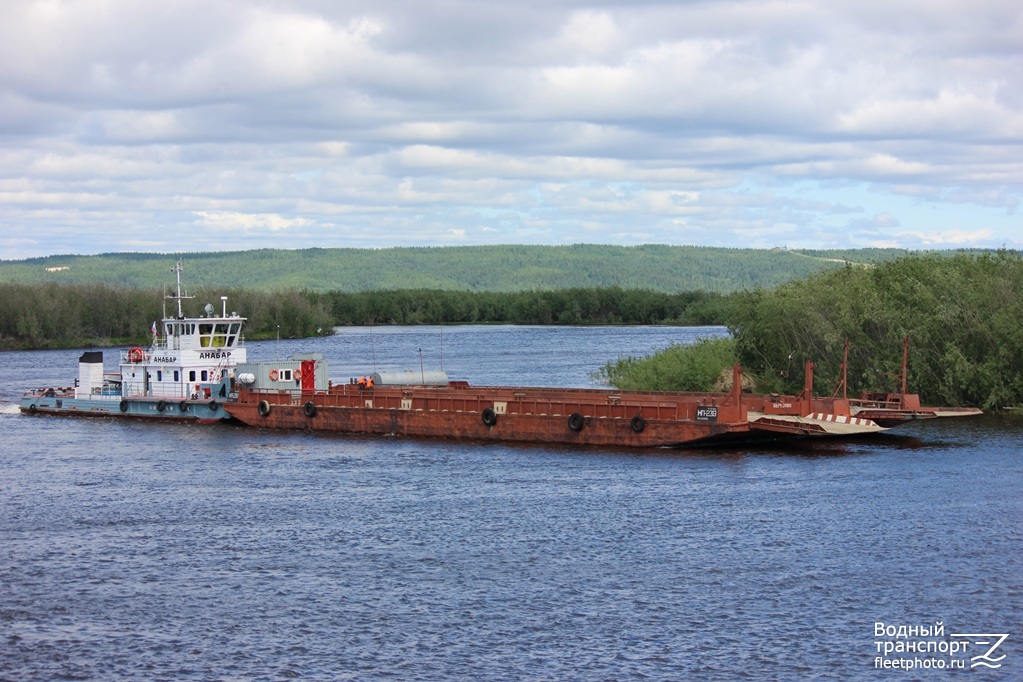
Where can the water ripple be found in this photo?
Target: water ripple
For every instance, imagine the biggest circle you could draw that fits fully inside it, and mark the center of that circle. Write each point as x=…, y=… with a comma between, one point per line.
x=162, y=551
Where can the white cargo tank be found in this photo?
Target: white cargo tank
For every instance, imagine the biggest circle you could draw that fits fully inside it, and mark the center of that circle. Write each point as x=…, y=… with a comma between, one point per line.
x=410, y=377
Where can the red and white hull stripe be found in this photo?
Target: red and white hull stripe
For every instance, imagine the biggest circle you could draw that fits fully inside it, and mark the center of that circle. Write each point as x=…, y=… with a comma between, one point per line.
x=839, y=419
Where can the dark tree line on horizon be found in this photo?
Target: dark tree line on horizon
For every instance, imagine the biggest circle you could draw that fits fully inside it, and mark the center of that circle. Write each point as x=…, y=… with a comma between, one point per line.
x=55, y=316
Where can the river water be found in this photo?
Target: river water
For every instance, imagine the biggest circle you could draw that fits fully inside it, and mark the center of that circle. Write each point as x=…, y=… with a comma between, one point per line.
x=164, y=551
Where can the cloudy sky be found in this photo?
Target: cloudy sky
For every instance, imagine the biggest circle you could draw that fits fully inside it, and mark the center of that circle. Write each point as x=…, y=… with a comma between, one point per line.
x=211, y=125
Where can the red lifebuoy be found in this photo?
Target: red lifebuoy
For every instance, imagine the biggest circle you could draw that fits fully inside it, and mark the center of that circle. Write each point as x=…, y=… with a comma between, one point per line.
x=298, y=374
x=274, y=374
x=136, y=354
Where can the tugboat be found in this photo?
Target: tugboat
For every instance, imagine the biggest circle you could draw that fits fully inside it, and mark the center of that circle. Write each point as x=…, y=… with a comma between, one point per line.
x=185, y=374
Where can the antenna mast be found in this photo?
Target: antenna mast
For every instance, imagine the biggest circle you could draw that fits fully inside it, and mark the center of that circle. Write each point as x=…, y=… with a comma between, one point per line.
x=179, y=296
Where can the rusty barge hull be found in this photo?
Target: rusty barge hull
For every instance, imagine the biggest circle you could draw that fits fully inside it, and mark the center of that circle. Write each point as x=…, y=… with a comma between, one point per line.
x=543, y=415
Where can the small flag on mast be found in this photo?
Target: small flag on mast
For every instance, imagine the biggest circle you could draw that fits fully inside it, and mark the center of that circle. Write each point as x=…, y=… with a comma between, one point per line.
x=153, y=328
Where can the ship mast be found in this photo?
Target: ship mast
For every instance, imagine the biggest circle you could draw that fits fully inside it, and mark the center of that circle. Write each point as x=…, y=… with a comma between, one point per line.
x=179, y=296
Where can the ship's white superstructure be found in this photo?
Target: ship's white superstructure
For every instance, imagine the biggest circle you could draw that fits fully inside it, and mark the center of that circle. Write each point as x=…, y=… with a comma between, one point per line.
x=185, y=372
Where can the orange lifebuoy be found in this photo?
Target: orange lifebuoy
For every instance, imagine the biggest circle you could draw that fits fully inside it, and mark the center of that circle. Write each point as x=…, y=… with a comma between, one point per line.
x=136, y=354
x=274, y=374
x=298, y=374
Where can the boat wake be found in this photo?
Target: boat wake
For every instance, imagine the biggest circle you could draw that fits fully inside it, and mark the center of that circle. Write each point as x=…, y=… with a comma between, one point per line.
x=9, y=408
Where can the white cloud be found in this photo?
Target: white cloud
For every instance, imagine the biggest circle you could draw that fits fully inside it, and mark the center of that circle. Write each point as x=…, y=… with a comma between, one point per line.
x=956, y=238
x=591, y=33
x=390, y=123
x=228, y=220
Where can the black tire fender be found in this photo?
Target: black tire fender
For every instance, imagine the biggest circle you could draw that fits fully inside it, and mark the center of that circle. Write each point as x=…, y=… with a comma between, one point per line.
x=123, y=406
x=263, y=408
x=183, y=406
x=638, y=423
x=214, y=406
x=576, y=421
x=161, y=406
x=310, y=409
x=489, y=416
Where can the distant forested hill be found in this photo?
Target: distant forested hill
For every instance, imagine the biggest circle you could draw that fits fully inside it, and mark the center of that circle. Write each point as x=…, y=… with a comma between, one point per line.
x=505, y=268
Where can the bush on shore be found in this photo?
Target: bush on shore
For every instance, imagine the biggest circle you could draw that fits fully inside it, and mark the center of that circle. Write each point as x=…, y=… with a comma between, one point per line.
x=963, y=316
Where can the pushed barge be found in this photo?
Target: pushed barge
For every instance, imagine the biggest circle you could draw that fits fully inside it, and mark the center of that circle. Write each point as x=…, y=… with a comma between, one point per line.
x=429, y=405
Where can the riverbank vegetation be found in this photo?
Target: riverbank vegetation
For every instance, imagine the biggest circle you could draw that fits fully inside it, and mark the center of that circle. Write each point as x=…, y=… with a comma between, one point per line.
x=696, y=367
x=53, y=316
x=963, y=315
x=610, y=305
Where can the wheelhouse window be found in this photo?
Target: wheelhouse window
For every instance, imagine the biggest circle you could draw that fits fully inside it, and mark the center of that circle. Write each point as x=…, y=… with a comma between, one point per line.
x=218, y=335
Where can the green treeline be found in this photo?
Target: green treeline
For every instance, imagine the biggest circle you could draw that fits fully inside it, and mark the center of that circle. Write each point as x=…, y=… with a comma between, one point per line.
x=52, y=316
x=564, y=306
x=508, y=267
x=963, y=315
